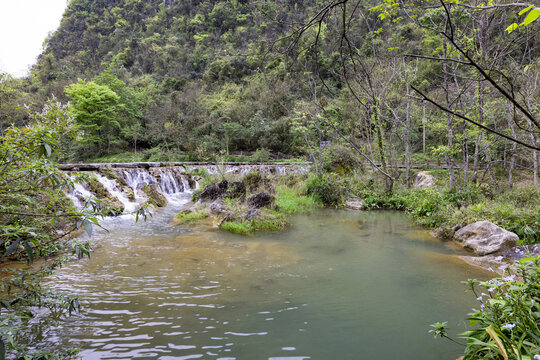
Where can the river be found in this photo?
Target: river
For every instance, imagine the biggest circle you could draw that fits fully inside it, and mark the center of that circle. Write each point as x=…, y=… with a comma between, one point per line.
x=337, y=284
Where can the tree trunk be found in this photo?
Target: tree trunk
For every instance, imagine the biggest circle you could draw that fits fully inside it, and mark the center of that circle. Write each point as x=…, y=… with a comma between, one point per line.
x=407, y=127
x=476, y=158
x=514, y=146
x=447, y=156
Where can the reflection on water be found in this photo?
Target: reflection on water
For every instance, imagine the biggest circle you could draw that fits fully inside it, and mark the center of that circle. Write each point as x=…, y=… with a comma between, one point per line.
x=336, y=285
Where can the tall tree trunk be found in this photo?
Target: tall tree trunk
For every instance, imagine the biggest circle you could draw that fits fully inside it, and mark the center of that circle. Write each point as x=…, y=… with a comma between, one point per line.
x=476, y=159
x=447, y=156
x=511, y=115
x=534, y=154
x=407, y=127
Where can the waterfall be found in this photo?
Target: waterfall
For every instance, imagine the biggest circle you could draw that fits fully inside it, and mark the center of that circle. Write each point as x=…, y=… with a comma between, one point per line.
x=113, y=188
x=171, y=181
x=79, y=195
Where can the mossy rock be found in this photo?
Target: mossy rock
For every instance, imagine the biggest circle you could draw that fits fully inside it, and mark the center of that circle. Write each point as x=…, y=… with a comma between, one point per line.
x=253, y=180
x=112, y=206
x=155, y=197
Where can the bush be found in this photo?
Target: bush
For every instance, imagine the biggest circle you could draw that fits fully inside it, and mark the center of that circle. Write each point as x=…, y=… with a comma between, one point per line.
x=261, y=155
x=326, y=190
x=507, y=323
x=339, y=159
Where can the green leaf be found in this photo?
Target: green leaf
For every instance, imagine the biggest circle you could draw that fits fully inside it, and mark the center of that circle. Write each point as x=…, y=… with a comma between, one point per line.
x=14, y=245
x=29, y=251
x=48, y=149
x=525, y=10
x=88, y=227
x=531, y=16
x=511, y=28
x=5, y=304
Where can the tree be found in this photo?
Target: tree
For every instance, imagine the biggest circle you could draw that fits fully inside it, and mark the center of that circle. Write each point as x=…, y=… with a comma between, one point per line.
x=95, y=108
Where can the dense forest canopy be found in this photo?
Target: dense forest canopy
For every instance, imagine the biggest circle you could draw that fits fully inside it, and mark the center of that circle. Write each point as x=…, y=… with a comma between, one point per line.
x=454, y=81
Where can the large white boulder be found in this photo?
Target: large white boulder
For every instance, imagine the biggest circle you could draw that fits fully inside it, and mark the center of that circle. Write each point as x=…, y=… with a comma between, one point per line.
x=484, y=237
x=424, y=180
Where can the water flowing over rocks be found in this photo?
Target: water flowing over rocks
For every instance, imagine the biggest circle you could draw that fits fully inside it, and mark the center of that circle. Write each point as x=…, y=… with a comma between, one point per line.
x=424, y=180
x=484, y=238
x=123, y=187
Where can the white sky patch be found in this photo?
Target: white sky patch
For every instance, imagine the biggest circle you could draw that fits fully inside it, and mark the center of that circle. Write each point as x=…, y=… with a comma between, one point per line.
x=24, y=25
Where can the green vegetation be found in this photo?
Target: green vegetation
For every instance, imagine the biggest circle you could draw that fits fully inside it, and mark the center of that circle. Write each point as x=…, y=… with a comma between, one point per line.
x=37, y=222
x=364, y=90
x=506, y=323
x=290, y=201
x=189, y=217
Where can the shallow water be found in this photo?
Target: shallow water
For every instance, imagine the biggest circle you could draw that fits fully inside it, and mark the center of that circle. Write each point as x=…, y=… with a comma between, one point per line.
x=335, y=285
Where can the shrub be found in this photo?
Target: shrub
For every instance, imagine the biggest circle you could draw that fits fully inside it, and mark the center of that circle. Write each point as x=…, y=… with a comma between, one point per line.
x=506, y=326
x=325, y=190
x=339, y=159
x=261, y=155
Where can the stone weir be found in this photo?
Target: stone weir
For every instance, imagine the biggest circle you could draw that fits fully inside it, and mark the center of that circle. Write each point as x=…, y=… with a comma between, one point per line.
x=123, y=187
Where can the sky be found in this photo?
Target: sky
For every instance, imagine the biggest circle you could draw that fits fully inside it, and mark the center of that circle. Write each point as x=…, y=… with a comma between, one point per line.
x=24, y=25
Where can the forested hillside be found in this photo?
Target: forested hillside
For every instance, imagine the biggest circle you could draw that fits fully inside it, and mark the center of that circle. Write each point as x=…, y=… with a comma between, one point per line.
x=400, y=82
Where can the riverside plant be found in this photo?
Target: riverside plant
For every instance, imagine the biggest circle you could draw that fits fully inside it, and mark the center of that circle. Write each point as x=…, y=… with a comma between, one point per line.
x=507, y=323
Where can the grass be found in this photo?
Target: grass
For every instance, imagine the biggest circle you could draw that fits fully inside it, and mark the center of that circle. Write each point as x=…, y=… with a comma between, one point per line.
x=238, y=227
x=266, y=222
x=289, y=201
x=189, y=217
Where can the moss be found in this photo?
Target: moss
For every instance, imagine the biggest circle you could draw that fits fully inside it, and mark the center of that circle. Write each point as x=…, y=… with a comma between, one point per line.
x=238, y=227
x=112, y=206
x=266, y=221
x=190, y=217
x=155, y=197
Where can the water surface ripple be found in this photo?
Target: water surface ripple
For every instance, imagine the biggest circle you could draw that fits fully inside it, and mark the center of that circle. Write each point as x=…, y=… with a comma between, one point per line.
x=336, y=285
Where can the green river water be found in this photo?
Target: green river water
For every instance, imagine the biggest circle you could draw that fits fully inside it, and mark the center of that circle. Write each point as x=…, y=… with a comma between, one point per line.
x=335, y=285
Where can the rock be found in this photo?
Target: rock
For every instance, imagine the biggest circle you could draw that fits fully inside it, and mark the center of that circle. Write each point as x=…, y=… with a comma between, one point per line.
x=424, y=180
x=354, y=204
x=484, y=237
x=457, y=227
x=443, y=233
x=261, y=200
x=252, y=180
x=236, y=190
x=210, y=193
x=251, y=214
x=112, y=205
x=217, y=207
x=223, y=185
x=155, y=197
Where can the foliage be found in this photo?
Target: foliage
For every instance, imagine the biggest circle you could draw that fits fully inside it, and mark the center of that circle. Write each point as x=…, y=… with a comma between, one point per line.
x=188, y=217
x=35, y=217
x=506, y=326
x=326, y=190
x=290, y=201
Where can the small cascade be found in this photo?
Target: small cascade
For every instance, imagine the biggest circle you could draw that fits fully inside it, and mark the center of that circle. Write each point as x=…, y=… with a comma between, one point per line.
x=79, y=195
x=114, y=189
x=124, y=184
x=137, y=178
x=185, y=184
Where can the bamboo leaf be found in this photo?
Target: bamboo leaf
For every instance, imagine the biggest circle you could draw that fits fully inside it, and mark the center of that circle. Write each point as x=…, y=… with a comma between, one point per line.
x=531, y=16
x=525, y=10
x=14, y=245
x=491, y=331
